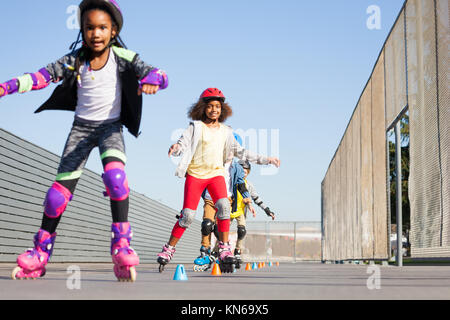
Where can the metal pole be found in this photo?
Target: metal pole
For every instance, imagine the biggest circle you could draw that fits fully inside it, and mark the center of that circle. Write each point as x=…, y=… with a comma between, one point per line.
x=398, y=169
x=295, y=241
x=388, y=194
x=267, y=241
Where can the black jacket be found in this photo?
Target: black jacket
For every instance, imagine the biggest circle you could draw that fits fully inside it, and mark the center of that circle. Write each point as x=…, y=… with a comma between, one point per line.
x=131, y=70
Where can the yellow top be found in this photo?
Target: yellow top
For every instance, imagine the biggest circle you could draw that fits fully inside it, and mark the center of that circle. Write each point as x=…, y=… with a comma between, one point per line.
x=240, y=209
x=207, y=161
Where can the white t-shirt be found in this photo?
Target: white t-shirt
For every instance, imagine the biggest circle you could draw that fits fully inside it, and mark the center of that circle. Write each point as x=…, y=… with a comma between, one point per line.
x=100, y=94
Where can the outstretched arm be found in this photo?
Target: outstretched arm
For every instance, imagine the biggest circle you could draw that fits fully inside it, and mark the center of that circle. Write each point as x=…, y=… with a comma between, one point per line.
x=27, y=82
x=151, y=79
x=154, y=81
x=183, y=142
x=243, y=154
x=259, y=202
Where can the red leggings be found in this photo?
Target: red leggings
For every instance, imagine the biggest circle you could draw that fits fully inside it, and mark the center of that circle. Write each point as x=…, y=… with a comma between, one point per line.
x=193, y=189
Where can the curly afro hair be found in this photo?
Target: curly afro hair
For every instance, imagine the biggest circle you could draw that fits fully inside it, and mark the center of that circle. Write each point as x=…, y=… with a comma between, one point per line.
x=197, y=110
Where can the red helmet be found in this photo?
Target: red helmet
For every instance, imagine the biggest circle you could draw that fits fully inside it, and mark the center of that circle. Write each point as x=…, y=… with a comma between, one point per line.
x=212, y=93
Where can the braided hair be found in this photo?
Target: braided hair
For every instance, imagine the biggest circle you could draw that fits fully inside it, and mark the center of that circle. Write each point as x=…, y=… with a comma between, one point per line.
x=84, y=53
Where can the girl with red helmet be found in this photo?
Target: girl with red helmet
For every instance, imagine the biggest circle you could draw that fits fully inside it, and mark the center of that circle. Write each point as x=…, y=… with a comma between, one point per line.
x=205, y=146
x=102, y=83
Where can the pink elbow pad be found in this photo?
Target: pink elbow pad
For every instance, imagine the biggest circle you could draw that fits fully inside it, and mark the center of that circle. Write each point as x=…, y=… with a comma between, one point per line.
x=156, y=77
x=41, y=79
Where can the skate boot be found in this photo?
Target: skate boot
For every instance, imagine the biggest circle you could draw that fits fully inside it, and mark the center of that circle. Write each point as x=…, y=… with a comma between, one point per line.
x=31, y=264
x=226, y=259
x=237, y=255
x=165, y=256
x=123, y=256
x=204, y=260
x=215, y=254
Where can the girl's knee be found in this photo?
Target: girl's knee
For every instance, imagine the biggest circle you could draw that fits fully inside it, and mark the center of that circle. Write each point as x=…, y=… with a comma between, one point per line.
x=223, y=209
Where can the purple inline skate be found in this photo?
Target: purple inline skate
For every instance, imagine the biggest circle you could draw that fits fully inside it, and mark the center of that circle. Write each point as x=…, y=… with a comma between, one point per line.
x=31, y=264
x=123, y=256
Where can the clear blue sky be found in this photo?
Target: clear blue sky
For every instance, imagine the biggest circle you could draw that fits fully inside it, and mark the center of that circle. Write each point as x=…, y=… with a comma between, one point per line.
x=292, y=65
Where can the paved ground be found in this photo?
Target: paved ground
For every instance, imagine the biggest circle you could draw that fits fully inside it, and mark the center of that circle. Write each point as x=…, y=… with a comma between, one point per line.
x=301, y=281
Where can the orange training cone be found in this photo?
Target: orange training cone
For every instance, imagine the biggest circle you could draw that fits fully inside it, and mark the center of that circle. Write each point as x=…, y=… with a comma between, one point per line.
x=278, y=264
x=260, y=265
x=216, y=270
x=248, y=266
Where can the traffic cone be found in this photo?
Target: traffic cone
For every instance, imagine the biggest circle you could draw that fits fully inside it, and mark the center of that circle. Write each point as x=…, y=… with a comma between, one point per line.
x=260, y=265
x=254, y=266
x=180, y=273
x=248, y=267
x=216, y=270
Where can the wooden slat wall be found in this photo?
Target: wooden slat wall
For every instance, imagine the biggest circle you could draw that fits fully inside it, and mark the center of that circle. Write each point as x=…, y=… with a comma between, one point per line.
x=26, y=173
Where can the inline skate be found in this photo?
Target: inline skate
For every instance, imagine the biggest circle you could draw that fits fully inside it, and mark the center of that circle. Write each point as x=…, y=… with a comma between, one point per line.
x=123, y=256
x=165, y=256
x=227, y=261
x=31, y=264
x=204, y=260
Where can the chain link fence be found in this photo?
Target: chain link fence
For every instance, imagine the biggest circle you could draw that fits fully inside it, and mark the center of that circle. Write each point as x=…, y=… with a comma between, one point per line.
x=281, y=241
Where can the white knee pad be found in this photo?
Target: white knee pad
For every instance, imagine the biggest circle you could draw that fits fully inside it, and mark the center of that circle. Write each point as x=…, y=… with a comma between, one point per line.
x=187, y=217
x=223, y=209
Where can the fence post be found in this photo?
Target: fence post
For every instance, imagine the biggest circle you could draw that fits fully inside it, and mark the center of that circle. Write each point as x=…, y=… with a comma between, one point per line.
x=398, y=169
x=295, y=242
x=267, y=241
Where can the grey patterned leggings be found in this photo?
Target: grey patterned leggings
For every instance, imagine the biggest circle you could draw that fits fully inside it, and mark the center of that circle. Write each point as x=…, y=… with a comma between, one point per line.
x=82, y=139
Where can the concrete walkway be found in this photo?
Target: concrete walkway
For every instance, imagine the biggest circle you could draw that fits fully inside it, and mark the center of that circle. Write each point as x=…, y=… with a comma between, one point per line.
x=301, y=281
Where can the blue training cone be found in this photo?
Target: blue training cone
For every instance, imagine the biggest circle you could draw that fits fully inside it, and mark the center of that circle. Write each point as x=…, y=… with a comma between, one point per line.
x=270, y=264
x=254, y=266
x=180, y=273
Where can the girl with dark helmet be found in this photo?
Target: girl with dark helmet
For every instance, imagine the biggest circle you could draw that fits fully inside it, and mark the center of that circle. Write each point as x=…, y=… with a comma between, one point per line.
x=102, y=83
x=205, y=147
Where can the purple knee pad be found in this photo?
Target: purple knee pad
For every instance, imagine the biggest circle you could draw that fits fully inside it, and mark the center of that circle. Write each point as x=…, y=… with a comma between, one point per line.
x=156, y=77
x=116, y=181
x=56, y=200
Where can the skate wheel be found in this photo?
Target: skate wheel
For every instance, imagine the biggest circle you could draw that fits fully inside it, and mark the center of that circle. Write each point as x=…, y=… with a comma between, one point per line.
x=128, y=275
x=15, y=271
x=125, y=274
x=133, y=274
x=195, y=268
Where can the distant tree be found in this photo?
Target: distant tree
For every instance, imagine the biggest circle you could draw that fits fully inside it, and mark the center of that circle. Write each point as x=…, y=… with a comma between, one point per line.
x=404, y=132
